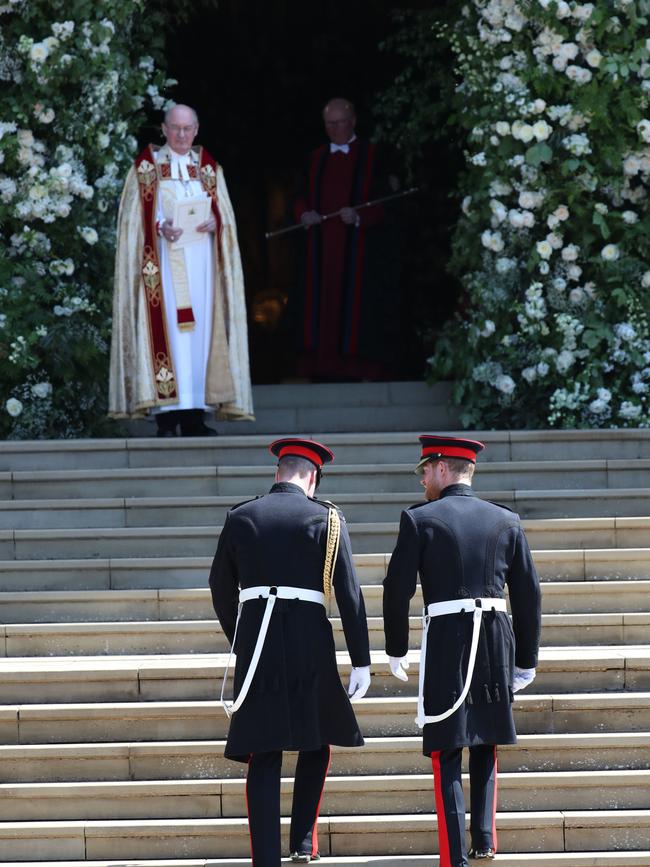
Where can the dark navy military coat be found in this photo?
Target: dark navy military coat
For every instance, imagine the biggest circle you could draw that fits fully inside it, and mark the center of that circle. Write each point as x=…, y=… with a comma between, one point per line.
x=463, y=547
x=296, y=700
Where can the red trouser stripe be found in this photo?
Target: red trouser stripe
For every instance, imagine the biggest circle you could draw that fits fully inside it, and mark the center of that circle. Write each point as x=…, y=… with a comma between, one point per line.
x=494, y=804
x=314, y=836
x=443, y=834
x=248, y=812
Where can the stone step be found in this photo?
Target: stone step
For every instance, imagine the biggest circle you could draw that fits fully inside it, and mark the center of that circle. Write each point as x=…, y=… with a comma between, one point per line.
x=176, y=760
x=517, y=859
x=198, y=676
x=129, y=573
x=548, y=831
x=360, y=795
x=349, y=448
x=366, y=538
x=104, y=721
x=521, y=859
x=496, y=478
x=149, y=637
x=117, y=512
x=614, y=598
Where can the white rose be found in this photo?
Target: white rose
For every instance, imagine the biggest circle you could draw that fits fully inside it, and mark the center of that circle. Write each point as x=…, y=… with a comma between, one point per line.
x=576, y=295
x=538, y=106
x=14, y=407
x=38, y=53
x=552, y=221
x=643, y=129
x=42, y=389
x=601, y=207
x=529, y=219
x=542, y=130
x=542, y=368
x=594, y=58
x=630, y=217
x=645, y=280
x=503, y=265
x=529, y=374
x=570, y=252
x=488, y=328
x=561, y=212
x=544, y=268
x=526, y=133
x=502, y=127
x=631, y=165
x=499, y=210
x=89, y=234
x=544, y=249
x=465, y=205
x=563, y=9
x=516, y=218
x=505, y=384
x=564, y=361
x=496, y=242
x=555, y=240
x=610, y=253
x=574, y=272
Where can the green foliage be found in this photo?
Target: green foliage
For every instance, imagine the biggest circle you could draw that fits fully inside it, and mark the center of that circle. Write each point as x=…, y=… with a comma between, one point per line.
x=75, y=77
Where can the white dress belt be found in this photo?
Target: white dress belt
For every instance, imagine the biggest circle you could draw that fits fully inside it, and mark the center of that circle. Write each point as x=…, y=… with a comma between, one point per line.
x=270, y=594
x=439, y=609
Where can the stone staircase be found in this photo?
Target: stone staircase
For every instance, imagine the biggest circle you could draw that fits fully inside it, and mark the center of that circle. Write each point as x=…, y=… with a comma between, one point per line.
x=111, y=737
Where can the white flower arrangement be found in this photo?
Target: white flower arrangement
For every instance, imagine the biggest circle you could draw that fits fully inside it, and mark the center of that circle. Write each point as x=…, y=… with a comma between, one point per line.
x=70, y=76
x=552, y=199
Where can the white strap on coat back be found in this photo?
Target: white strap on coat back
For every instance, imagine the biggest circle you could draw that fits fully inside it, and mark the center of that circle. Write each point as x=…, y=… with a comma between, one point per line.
x=271, y=594
x=439, y=609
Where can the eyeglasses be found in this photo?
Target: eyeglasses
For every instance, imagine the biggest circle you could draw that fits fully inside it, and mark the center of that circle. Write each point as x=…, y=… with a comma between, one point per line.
x=181, y=129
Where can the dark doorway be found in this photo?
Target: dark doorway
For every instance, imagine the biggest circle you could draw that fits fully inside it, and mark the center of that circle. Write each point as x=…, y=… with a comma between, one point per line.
x=258, y=74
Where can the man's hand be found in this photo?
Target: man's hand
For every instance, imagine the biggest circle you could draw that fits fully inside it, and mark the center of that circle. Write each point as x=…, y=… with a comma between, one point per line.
x=398, y=666
x=310, y=218
x=349, y=216
x=210, y=225
x=170, y=232
x=522, y=677
x=359, y=682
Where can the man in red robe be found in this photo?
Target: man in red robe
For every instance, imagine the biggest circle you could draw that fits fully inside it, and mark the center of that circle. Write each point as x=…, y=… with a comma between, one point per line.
x=342, y=309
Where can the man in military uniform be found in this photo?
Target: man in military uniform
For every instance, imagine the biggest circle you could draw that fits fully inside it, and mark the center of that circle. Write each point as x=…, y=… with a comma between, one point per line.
x=473, y=659
x=277, y=557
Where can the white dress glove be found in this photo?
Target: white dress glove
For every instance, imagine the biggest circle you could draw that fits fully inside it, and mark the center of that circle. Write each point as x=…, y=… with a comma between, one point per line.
x=359, y=682
x=398, y=665
x=522, y=677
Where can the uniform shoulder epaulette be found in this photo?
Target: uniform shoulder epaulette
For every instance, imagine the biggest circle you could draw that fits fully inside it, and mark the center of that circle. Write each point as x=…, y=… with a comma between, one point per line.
x=417, y=505
x=243, y=502
x=326, y=504
x=501, y=506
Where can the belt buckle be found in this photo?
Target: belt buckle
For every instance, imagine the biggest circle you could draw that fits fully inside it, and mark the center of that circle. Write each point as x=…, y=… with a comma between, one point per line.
x=273, y=591
x=478, y=603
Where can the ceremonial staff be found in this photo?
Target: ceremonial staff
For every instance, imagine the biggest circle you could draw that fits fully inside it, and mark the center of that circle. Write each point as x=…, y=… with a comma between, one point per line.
x=324, y=217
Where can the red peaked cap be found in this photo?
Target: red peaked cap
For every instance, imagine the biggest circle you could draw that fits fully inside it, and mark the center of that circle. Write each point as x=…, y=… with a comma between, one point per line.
x=309, y=449
x=447, y=447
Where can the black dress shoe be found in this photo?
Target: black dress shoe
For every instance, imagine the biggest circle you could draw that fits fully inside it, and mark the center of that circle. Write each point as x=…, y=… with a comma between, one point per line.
x=482, y=854
x=193, y=425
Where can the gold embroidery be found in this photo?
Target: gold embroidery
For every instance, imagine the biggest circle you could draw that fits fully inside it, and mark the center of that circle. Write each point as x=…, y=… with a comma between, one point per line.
x=209, y=178
x=164, y=377
x=151, y=279
x=146, y=173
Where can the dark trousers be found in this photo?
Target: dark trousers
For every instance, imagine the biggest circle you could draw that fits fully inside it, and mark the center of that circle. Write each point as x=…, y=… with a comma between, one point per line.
x=263, y=804
x=450, y=802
